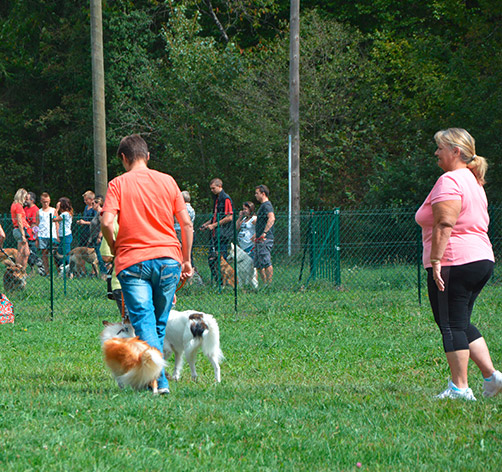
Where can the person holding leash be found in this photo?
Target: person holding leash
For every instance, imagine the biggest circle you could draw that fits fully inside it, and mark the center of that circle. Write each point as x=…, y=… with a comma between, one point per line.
x=220, y=226
x=459, y=258
x=149, y=259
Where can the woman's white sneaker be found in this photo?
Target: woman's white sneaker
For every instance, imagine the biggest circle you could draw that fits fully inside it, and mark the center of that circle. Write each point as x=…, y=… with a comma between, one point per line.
x=493, y=385
x=454, y=392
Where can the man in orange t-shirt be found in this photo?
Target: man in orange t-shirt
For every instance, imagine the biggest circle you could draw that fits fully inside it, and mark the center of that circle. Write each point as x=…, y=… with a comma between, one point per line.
x=148, y=258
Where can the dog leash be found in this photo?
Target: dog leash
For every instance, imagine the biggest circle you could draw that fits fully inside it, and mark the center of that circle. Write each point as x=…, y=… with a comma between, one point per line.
x=180, y=284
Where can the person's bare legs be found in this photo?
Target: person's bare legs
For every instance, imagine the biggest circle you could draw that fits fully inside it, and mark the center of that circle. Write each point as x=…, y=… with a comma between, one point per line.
x=23, y=252
x=45, y=260
x=480, y=354
x=458, y=362
x=269, y=272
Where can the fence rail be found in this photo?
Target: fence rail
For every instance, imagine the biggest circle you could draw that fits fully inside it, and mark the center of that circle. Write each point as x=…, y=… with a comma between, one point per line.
x=356, y=252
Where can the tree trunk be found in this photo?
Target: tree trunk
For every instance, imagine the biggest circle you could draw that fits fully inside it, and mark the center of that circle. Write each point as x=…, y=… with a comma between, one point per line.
x=98, y=100
x=294, y=114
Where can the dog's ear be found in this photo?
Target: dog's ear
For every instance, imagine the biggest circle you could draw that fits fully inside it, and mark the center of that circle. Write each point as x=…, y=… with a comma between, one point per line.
x=107, y=323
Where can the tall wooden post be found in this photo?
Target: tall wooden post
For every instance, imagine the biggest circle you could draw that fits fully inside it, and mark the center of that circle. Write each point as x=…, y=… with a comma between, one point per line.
x=98, y=99
x=294, y=133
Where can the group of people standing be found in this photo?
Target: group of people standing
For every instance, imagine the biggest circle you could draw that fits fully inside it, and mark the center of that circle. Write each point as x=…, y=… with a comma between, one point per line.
x=255, y=231
x=33, y=231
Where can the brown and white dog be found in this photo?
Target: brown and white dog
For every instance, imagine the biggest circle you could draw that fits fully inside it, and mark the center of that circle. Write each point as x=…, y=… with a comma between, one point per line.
x=133, y=362
x=78, y=257
x=186, y=332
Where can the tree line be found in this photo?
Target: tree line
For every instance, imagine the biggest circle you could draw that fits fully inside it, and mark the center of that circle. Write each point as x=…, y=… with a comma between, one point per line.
x=206, y=83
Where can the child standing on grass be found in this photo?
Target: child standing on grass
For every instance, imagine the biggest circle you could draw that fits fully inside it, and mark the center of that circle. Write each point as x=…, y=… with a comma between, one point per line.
x=65, y=238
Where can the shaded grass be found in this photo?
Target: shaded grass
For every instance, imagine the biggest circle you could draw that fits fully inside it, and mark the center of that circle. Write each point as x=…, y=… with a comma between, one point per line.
x=314, y=380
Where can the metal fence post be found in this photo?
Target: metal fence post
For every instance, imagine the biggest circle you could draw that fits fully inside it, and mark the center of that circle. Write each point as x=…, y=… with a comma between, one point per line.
x=64, y=255
x=336, y=231
x=218, y=251
x=51, y=267
x=234, y=224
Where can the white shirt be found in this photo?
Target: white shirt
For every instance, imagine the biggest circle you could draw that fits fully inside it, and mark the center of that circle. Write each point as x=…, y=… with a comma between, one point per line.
x=43, y=226
x=67, y=224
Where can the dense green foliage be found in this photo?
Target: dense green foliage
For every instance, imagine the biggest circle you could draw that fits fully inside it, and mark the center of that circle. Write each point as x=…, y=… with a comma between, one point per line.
x=207, y=84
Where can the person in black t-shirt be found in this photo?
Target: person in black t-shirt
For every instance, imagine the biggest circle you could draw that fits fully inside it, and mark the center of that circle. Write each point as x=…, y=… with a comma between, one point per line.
x=264, y=239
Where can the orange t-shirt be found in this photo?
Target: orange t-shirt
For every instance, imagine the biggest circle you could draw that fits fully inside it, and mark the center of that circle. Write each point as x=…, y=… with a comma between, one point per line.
x=146, y=201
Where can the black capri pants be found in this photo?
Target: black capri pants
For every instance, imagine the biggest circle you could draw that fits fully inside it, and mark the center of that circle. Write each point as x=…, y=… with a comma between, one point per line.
x=453, y=308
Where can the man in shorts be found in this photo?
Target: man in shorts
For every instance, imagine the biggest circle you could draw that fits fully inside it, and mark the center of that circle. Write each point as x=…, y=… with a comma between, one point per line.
x=149, y=258
x=264, y=240
x=45, y=215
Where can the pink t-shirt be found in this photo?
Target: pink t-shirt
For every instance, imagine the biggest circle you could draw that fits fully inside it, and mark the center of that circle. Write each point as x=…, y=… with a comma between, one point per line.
x=469, y=240
x=146, y=201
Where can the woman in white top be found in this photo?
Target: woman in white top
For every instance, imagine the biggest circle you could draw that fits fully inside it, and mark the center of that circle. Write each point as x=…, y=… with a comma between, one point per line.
x=65, y=237
x=44, y=231
x=246, y=226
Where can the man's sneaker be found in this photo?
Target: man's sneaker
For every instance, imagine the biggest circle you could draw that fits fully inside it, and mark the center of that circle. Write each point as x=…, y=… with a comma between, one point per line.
x=454, y=392
x=493, y=385
x=163, y=391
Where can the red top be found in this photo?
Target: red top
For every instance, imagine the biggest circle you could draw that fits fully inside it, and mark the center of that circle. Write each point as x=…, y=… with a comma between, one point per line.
x=31, y=218
x=17, y=209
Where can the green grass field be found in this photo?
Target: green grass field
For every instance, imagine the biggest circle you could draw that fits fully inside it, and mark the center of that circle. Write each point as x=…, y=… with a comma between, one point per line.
x=316, y=380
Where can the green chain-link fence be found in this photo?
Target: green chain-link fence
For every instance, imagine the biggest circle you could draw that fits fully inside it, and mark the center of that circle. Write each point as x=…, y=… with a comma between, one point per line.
x=356, y=253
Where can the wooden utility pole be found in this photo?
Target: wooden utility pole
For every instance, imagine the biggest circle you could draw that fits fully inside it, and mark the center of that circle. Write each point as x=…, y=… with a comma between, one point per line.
x=294, y=132
x=98, y=99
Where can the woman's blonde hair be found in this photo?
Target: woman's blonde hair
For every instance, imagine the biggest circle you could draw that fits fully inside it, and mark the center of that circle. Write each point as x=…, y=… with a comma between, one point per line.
x=20, y=196
x=458, y=137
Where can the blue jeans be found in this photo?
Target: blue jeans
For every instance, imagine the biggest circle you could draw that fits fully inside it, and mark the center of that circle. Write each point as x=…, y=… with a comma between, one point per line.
x=65, y=247
x=148, y=289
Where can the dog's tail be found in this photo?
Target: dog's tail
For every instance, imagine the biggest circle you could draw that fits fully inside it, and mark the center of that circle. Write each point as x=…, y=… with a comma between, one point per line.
x=211, y=342
x=148, y=368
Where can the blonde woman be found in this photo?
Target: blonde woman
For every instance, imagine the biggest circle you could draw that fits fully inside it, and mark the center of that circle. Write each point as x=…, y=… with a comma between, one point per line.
x=20, y=227
x=459, y=258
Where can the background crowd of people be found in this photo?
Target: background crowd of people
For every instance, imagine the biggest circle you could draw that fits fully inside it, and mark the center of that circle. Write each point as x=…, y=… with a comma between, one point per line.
x=37, y=229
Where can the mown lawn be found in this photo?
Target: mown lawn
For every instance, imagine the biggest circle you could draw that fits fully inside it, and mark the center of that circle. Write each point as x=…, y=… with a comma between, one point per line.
x=314, y=380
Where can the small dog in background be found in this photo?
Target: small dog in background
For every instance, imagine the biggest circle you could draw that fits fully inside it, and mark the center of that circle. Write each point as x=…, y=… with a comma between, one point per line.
x=246, y=272
x=133, y=362
x=186, y=332
x=227, y=273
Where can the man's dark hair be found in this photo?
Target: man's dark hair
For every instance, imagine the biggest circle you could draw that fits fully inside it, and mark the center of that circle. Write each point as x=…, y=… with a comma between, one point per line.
x=33, y=197
x=263, y=189
x=133, y=147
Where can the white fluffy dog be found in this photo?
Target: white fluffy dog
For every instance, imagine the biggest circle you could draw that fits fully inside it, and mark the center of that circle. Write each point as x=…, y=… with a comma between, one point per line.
x=186, y=332
x=246, y=272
